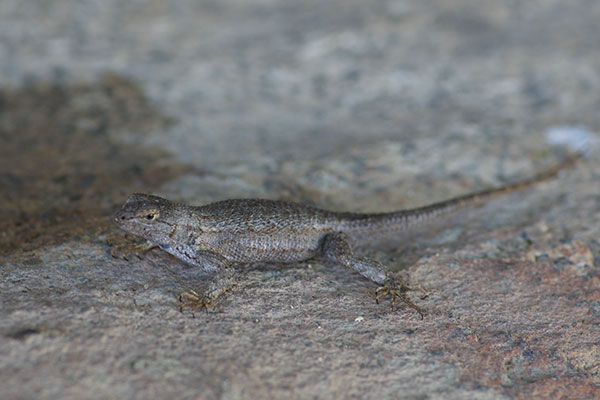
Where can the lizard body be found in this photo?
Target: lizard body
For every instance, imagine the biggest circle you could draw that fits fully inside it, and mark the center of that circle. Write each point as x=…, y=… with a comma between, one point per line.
x=216, y=236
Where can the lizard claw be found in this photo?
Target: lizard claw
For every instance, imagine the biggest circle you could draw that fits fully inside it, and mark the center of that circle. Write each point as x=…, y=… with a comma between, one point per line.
x=122, y=247
x=194, y=301
x=208, y=296
x=397, y=288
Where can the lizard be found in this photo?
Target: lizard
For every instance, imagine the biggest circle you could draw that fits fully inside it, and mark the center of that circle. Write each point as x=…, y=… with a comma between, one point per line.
x=217, y=236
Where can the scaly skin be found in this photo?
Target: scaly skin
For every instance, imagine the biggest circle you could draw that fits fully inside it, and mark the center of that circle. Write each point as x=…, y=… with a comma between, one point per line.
x=217, y=236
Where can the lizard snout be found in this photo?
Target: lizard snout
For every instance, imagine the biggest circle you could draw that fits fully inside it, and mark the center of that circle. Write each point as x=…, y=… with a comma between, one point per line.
x=119, y=217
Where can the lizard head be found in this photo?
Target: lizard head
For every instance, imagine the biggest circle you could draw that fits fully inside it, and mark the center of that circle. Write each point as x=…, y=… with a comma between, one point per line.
x=150, y=217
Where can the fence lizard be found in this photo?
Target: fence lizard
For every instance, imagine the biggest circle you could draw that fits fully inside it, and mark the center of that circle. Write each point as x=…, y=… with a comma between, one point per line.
x=217, y=236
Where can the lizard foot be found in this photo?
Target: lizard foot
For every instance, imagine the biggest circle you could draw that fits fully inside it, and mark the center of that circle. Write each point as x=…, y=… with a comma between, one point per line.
x=193, y=300
x=206, y=298
x=397, y=288
x=128, y=246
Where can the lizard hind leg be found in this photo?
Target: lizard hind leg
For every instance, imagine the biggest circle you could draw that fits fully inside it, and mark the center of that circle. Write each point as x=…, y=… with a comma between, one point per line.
x=335, y=247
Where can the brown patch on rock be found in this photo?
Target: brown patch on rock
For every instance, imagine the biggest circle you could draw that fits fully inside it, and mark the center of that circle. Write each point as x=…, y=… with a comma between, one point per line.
x=62, y=164
x=521, y=326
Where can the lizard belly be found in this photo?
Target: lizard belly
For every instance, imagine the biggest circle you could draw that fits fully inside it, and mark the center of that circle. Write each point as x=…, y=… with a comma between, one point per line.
x=267, y=248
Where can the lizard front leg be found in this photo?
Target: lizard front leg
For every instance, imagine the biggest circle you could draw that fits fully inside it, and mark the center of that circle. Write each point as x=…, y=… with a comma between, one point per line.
x=335, y=247
x=127, y=246
x=221, y=281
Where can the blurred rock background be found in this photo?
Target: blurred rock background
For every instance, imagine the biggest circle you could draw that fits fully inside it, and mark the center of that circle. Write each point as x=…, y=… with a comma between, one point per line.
x=349, y=105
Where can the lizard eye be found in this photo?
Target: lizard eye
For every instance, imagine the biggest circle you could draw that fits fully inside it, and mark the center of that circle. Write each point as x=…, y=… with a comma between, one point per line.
x=148, y=214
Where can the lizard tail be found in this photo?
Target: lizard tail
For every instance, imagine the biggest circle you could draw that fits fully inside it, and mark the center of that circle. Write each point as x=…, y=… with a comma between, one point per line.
x=578, y=141
x=480, y=197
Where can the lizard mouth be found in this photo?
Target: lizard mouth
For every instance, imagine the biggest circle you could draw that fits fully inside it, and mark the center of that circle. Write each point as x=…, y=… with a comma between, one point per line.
x=124, y=220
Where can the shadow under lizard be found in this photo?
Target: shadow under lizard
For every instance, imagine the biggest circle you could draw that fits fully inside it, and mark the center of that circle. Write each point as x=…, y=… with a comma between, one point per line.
x=217, y=236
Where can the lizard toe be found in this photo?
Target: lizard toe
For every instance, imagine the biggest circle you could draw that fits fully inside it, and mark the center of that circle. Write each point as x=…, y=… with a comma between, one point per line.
x=397, y=288
x=194, y=301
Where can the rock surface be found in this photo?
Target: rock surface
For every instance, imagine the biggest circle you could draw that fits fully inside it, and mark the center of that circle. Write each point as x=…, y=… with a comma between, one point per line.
x=350, y=105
